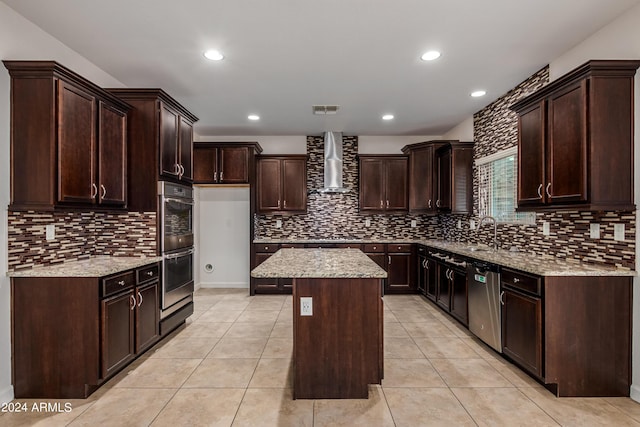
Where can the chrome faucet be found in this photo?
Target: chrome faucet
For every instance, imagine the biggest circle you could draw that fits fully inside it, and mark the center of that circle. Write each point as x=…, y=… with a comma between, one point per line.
x=495, y=229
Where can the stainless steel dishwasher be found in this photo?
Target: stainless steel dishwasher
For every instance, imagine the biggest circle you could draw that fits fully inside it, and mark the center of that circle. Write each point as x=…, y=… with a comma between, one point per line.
x=484, y=302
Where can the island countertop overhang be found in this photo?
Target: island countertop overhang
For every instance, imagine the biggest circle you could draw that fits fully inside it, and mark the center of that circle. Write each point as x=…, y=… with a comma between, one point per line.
x=319, y=263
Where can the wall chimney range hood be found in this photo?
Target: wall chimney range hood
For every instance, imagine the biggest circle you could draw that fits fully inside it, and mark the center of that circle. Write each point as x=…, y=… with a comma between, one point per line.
x=333, y=164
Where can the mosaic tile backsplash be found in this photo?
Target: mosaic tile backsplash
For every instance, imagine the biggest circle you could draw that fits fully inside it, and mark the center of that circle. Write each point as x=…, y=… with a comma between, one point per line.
x=336, y=216
x=78, y=236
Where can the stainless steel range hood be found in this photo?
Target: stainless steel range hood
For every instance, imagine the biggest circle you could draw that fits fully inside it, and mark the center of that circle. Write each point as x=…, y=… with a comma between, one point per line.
x=333, y=164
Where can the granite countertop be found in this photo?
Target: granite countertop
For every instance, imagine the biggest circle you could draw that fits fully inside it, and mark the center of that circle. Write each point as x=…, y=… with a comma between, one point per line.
x=319, y=263
x=98, y=266
x=524, y=261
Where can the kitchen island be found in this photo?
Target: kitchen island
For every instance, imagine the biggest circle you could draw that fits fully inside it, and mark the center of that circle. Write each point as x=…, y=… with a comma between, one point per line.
x=337, y=320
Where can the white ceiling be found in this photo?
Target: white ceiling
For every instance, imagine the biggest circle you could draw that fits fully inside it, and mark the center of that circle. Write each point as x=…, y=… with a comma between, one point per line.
x=283, y=56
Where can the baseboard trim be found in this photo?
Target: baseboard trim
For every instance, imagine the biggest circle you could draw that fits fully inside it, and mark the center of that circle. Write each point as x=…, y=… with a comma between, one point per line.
x=6, y=394
x=634, y=393
x=226, y=285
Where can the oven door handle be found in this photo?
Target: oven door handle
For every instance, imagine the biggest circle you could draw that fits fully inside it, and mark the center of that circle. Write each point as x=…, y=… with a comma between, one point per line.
x=171, y=199
x=179, y=254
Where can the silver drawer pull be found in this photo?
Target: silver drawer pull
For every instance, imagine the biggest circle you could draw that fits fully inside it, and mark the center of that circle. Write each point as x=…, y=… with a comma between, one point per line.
x=149, y=273
x=121, y=283
x=516, y=280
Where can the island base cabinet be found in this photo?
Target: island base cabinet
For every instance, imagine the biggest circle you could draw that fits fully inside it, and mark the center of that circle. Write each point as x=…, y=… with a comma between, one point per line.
x=117, y=332
x=338, y=349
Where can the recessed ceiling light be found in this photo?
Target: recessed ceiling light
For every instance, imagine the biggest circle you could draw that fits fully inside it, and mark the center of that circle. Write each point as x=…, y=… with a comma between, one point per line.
x=214, y=55
x=253, y=117
x=478, y=93
x=387, y=117
x=430, y=55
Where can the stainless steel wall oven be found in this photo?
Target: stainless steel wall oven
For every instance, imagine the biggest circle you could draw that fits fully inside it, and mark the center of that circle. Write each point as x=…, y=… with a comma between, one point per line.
x=176, y=246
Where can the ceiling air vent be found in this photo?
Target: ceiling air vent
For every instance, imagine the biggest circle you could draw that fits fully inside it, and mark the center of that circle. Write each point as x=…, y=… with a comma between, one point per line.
x=325, y=109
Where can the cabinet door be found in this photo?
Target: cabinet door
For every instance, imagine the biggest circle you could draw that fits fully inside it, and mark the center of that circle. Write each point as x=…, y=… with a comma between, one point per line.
x=76, y=145
x=112, y=156
x=444, y=181
x=443, y=294
x=168, y=143
x=399, y=270
x=522, y=330
x=372, y=196
x=205, y=160
x=294, y=184
x=396, y=185
x=422, y=274
x=269, y=185
x=185, y=145
x=531, y=156
x=117, y=332
x=459, y=295
x=234, y=165
x=431, y=287
x=147, y=317
x=567, y=149
x=421, y=180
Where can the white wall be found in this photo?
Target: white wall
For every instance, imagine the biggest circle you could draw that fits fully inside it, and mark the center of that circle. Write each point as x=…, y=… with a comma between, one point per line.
x=271, y=144
x=618, y=40
x=462, y=132
x=222, y=230
x=374, y=144
x=20, y=39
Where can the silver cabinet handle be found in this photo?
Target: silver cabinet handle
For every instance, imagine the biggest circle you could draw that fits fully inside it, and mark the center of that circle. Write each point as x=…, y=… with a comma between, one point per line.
x=104, y=191
x=149, y=273
x=221, y=175
x=429, y=203
x=547, y=189
x=94, y=190
x=266, y=248
x=121, y=283
x=181, y=171
x=278, y=203
x=381, y=204
x=176, y=169
x=438, y=203
x=516, y=280
x=387, y=204
x=215, y=176
x=426, y=264
x=389, y=256
x=540, y=191
x=139, y=299
x=133, y=302
x=285, y=204
x=501, y=298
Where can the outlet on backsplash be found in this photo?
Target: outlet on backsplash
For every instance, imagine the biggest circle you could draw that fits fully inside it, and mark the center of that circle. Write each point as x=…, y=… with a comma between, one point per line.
x=546, y=228
x=594, y=230
x=618, y=232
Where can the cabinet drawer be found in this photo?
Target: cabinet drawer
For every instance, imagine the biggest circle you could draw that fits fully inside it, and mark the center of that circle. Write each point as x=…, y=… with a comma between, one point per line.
x=521, y=281
x=349, y=246
x=399, y=248
x=147, y=273
x=114, y=284
x=267, y=247
x=373, y=248
x=292, y=245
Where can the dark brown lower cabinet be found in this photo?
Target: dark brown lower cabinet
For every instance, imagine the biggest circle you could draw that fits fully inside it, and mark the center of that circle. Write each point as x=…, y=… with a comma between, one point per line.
x=400, y=269
x=443, y=289
x=459, y=295
x=71, y=334
x=446, y=277
x=431, y=286
x=522, y=330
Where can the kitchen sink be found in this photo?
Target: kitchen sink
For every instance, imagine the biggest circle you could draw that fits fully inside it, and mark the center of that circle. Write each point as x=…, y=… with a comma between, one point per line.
x=478, y=248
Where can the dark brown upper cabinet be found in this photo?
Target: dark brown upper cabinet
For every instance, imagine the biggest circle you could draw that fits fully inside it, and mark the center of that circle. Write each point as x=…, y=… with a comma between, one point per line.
x=575, y=140
x=68, y=140
x=216, y=163
x=282, y=184
x=454, y=164
x=383, y=183
x=423, y=178
x=161, y=134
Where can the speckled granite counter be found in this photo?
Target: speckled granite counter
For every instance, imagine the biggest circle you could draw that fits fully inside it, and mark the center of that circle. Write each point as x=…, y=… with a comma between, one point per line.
x=93, y=267
x=319, y=263
x=524, y=261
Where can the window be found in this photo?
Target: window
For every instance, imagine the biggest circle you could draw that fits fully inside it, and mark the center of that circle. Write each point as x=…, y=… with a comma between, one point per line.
x=497, y=188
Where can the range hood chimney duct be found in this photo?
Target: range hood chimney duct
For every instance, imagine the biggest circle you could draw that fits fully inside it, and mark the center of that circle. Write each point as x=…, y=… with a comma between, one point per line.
x=333, y=164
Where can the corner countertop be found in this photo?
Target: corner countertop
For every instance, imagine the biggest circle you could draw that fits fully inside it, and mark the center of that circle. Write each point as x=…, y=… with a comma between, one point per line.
x=523, y=261
x=98, y=266
x=319, y=263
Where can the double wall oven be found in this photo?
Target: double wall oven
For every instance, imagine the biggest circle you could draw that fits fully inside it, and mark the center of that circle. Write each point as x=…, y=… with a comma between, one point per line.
x=176, y=245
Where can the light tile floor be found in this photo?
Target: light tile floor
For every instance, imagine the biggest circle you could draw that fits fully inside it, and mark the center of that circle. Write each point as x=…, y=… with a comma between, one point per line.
x=230, y=365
